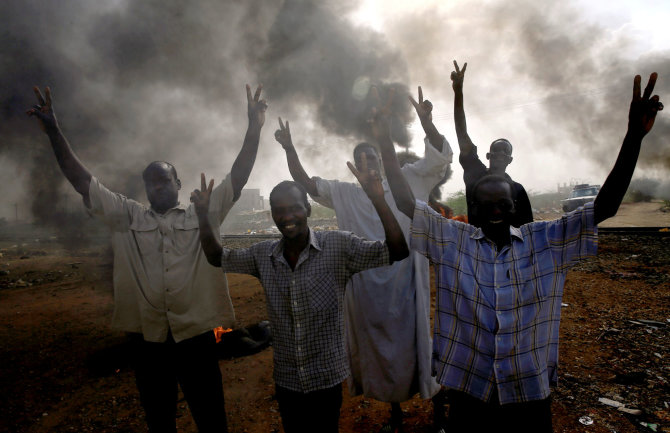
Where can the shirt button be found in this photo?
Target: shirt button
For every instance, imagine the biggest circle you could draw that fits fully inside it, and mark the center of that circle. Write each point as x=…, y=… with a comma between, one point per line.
x=297, y=325
x=295, y=303
x=299, y=349
x=302, y=368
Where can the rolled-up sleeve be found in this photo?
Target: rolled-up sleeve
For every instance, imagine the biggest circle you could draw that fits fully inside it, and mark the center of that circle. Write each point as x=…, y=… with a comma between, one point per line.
x=239, y=260
x=324, y=191
x=363, y=254
x=221, y=201
x=574, y=236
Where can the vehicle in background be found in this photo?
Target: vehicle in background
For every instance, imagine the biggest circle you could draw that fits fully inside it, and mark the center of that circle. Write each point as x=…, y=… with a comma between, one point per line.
x=580, y=195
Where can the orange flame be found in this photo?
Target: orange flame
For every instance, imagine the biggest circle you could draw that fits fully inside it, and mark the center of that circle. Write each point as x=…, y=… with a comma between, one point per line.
x=219, y=331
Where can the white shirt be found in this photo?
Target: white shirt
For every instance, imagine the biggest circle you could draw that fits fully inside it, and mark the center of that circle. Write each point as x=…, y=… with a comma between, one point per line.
x=387, y=310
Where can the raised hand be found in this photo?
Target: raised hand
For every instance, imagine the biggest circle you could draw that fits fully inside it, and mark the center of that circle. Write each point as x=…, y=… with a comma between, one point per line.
x=424, y=108
x=200, y=198
x=380, y=120
x=256, y=107
x=283, y=135
x=643, y=109
x=44, y=110
x=457, y=76
x=370, y=180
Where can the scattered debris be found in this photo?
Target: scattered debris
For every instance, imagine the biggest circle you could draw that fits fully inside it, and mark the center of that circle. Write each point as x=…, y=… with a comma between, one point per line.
x=586, y=420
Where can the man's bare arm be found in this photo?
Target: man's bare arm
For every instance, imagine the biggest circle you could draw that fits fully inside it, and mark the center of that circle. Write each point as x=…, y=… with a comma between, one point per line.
x=210, y=243
x=424, y=109
x=73, y=169
x=641, y=116
x=283, y=137
x=465, y=144
x=371, y=183
x=239, y=173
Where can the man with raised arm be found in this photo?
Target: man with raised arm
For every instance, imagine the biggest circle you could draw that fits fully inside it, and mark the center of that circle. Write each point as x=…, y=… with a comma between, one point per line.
x=165, y=293
x=386, y=309
x=304, y=276
x=499, y=156
x=499, y=287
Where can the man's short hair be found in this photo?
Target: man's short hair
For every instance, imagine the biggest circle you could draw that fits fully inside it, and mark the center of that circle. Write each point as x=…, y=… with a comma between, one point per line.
x=156, y=164
x=502, y=140
x=492, y=178
x=362, y=147
x=285, y=186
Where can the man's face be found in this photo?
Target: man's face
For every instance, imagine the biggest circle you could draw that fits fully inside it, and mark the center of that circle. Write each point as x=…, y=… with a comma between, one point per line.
x=494, y=206
x=290, y=213
x=500, y=154
x=162, y=187
x=372, y=159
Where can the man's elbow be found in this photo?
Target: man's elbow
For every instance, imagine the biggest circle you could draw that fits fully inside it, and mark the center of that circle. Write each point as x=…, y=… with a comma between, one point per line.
x=214, y=259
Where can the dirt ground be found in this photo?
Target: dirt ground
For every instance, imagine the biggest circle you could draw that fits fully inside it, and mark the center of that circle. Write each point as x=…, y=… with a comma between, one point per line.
x=63, y=369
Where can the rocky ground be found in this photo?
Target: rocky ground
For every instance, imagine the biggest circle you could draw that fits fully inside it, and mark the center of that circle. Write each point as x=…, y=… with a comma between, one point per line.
x=64, y=370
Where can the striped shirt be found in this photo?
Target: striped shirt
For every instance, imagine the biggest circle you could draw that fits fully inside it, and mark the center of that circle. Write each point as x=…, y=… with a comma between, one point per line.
x=498, y=312
x=305, y=304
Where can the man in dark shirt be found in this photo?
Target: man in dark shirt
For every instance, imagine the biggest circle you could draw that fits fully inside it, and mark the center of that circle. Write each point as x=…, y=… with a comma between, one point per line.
x=499, y=156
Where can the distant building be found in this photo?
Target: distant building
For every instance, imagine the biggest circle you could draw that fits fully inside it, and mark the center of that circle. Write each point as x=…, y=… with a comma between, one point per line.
x=250, y=200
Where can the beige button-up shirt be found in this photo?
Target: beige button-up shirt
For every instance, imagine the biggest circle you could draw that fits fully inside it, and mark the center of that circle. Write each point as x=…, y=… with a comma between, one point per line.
x=162, y=280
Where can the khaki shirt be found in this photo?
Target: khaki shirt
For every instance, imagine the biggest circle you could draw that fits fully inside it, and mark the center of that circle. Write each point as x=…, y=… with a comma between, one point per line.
x=162, y=280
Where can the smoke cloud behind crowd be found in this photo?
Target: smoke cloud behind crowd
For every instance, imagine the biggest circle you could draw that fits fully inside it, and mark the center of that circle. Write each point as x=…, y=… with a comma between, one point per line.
x=135, y=82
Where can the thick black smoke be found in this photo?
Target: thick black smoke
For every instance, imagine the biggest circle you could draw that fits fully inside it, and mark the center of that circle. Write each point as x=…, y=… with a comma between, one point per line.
x=135, y=82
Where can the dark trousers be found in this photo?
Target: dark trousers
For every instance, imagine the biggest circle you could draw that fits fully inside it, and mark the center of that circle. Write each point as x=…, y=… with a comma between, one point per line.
x=192, y=364
x=317, y=411
x=471, y=415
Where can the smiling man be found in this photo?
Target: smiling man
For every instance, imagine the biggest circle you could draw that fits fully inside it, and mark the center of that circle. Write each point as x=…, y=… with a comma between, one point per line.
x=499, y=287
x=304, y=276
x=387, y=310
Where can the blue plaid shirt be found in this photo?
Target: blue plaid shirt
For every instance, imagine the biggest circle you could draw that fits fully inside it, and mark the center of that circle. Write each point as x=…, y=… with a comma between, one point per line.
x=498, y=312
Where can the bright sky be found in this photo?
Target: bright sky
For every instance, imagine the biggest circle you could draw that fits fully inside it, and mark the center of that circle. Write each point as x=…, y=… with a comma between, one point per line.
x=643, y=24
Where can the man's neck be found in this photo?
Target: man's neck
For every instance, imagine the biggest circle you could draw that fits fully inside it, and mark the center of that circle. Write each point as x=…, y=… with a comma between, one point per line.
x=497, y=170
x=500, y=237
x=293, y=248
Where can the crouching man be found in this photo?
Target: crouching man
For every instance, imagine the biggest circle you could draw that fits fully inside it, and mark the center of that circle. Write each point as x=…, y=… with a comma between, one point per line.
x=304, y=275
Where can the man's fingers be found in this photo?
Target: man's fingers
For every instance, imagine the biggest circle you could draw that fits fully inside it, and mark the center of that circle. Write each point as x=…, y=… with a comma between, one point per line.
x=281, y=125
x=353, y=169
x=636, y=87
x=420, y=95
x=47, y=92
x=210, y=187
x=650, y=85
x=465, y=66
x=38, y=94
x=456, y=66
x=413, y=101
x=203, y=182
x=248, y=93
x=288, y=128
x=364, y=162
x=263, y=105
x=258, y=92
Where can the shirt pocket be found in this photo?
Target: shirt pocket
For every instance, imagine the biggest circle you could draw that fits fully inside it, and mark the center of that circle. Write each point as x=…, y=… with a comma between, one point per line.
x=323, y=290
x=530, y=284
x=186, y=235
x=146, y=235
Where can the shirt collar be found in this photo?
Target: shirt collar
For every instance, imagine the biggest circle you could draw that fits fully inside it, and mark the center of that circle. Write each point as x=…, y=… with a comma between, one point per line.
x=178, y=206
x=278, y=250
x=513, y=231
